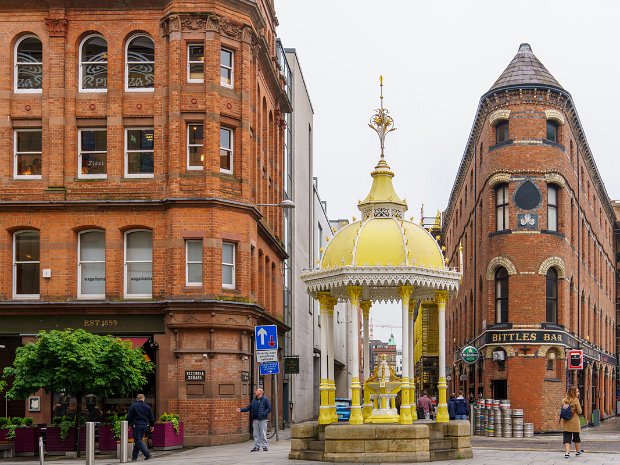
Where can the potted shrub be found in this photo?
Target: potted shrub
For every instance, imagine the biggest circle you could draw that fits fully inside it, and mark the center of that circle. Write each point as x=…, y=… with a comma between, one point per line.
x=60, y=437
x=168, y=432
x=26, y=437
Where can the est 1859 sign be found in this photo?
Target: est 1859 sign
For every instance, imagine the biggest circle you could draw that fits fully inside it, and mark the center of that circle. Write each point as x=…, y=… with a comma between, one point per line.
x=470, y=354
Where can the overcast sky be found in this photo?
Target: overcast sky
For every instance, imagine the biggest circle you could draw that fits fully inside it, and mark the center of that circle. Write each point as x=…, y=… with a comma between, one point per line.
x=437, y=59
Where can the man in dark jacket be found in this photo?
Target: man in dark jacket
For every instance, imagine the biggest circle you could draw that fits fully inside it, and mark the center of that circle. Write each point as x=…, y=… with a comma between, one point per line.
x=259, y=409
x=140, y=417
x=451, y=406
x=461, y=407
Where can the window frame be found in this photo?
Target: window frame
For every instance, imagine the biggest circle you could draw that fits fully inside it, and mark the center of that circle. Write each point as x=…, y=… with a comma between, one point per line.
x=81, y=64
x=499, y=315
x=16, y=153
x=80, y=151
x=126, y=173
x=501, y=124
x=231, y=150
x=189, y=63
x=504, y=207
x=555, y=299
x=553, y=206
x=81, y=295
x=556, y=125
x=138, y=89
x=15, y=295
x=233, y=265
x=188, y=145
x=189, y=283
x=16, y=89
x=230, y=68
x=126, y=295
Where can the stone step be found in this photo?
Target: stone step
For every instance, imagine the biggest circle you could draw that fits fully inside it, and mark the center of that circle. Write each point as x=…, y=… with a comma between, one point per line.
x=320, y=445
x=444, y=454
x=311, y=455
x=439, y=444
x=435, y=435
x=322, y=435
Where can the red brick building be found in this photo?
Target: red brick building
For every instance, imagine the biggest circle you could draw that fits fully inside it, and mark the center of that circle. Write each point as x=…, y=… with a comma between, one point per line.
x=536, y=228
x=137, y=142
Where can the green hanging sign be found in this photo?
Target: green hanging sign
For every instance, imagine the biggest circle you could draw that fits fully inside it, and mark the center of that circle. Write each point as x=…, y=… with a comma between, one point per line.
x=470, y=354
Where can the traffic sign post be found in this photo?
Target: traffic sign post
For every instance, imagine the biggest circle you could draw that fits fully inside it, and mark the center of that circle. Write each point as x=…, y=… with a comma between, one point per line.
x=266, y=337
x=575, y=359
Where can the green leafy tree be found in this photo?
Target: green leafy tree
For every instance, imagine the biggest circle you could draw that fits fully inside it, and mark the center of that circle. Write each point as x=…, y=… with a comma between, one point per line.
x=77, y=362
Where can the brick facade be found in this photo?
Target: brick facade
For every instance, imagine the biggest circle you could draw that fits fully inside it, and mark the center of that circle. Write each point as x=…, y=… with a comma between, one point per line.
x=205, y=327
x=580, y=250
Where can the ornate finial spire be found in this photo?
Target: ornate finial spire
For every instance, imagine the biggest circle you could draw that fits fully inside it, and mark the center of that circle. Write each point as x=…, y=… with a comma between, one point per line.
x=381, y=122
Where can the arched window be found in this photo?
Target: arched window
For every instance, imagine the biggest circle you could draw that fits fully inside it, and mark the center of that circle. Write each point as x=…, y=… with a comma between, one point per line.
x=26, y=265
x=501, y=207
x=552, y=296
x=91, y=265
x=501, y=295
x=139, y=264
x=28, y=65
x=552, y=207
x=93, y=64
x=140, y=64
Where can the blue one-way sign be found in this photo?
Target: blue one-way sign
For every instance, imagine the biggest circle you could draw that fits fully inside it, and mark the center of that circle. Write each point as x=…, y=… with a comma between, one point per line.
x=266, y=337
x=269, y=368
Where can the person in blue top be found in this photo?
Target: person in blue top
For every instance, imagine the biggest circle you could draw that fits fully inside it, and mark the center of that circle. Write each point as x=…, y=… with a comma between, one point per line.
x=451, y=406
x=140, y=417
x=259, y=409
x=461, y=407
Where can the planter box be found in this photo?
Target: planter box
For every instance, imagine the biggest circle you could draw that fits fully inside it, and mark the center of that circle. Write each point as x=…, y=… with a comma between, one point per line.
x=3, y=436
x=27, y=441
x=54, y=445
x=107, y=441
x=166, y=438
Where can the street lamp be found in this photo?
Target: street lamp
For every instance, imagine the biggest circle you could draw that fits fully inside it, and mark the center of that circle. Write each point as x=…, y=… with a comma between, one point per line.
x=284, y=204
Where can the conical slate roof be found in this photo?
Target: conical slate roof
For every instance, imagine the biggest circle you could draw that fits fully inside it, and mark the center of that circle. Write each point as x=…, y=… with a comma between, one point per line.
x=525, y=69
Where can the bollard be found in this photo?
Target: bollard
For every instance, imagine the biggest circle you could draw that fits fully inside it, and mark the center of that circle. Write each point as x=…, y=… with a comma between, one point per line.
x=41, y=452
x=90, y=443
x=124, y=440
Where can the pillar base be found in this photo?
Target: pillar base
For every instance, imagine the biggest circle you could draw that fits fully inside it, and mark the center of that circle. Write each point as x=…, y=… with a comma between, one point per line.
x=356, y=416
x=325, y=416
x=442, y=414
x=332, y=401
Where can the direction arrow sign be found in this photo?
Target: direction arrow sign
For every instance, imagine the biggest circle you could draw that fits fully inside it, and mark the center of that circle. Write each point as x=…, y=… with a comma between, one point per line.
x=267, y=356
x=266, y=337
x=269, y=368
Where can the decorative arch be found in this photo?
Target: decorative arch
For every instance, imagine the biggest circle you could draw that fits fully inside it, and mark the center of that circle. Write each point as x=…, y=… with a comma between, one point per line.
x=544, y=350
x=553, y=262
x=499, y=115
x=497, y=262
x=555, y=115
x=510, y=351
x=499, y=178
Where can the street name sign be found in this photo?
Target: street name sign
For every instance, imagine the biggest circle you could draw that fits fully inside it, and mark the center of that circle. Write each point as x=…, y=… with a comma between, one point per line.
x=266, y=337
x=263, y=356
x=269, y=368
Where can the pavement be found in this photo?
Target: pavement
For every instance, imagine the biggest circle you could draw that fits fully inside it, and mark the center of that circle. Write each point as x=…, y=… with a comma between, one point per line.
x=602, y=446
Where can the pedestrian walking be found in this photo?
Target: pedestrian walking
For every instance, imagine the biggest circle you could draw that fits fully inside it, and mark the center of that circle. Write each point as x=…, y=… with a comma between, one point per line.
x=259, y=409
x=426, y=404
x=140, y=417
x=569, y=416
x=461, y=406
x=451, y=404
